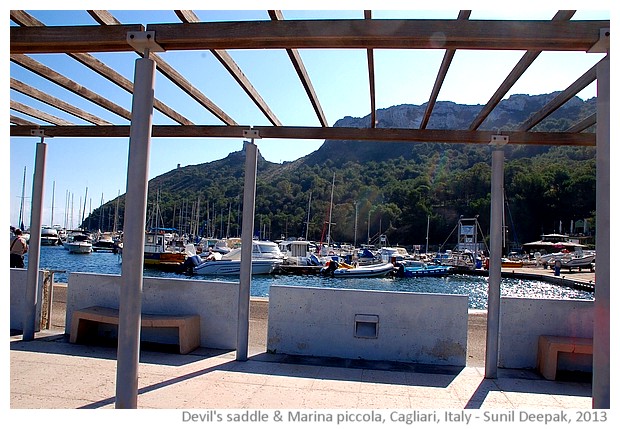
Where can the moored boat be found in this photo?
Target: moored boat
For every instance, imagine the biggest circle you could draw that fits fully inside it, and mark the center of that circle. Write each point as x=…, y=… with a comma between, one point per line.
x=336, y=269
x=423, y=270
x=49, y=236
x=78, y=242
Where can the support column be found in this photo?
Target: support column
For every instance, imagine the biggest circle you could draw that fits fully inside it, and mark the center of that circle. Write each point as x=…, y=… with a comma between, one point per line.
x=247, y=229
x=130, y=300
x=600, y=358
x=34, y=248
x=495, y=262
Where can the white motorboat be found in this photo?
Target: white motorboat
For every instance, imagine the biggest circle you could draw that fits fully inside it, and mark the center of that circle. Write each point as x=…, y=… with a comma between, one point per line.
x=232, y=267
x=78, y=242
x=266, y=258
x=49, y=236
x=336, y=269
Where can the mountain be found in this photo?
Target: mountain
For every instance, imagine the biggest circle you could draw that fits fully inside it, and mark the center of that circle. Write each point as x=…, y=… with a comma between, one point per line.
x=392, y=188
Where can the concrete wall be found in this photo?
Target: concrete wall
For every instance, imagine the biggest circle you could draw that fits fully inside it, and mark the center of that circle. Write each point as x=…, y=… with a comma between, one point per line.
x=523, y=320
x=18, y=279
x=215, y=302
x=406, y=327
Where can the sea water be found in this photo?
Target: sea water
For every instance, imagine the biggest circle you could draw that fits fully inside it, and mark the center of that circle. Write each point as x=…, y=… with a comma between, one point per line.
x=58, y=259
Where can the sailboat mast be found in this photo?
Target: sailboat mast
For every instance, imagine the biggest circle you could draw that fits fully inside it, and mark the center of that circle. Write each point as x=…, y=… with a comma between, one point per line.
x=84, y=211
x=308, y=219
x=331, y=205
x=21, y=207
x=53, y=191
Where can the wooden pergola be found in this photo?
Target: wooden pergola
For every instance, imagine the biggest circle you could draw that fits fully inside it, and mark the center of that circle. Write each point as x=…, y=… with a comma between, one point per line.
x=560, y=33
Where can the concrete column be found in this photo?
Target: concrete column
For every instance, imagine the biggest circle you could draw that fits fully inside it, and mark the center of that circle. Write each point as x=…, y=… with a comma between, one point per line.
x=245, y=276
x=34, y=248
x=130, y=300
x=495, y=262
x=600, y=358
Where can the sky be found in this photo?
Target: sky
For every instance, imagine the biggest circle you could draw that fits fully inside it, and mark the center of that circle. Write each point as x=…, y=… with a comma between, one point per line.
x=82, y=173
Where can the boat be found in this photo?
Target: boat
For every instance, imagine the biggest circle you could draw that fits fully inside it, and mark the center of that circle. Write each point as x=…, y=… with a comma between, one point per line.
x=49, y=236
x=105, y=243
x=232, y=267
x=422, y=270
x=339, y=269
x=78, y=242
x=160, y=253
x=266, y=259
x=577, y=260
x=299, y=258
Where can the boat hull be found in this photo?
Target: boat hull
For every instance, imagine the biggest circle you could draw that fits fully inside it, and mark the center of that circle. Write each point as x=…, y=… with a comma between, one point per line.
x=226, y=267
x=377, y=270
x=437, y=271
x=78, y=247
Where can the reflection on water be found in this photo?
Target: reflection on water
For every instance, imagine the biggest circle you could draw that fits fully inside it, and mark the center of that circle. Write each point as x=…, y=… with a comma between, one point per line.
x=57, y=258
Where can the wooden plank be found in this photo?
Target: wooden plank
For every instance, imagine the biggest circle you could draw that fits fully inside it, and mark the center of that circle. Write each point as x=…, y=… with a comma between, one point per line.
x=514, y=75
x=584, y=124
x=322, y=133
x=35, y=113
x=56, y=102
x=57, y=78
x=106, y=19
x=21, y=121
x=441, y=76
x=586, y=79
x=229, y=64
x=76, y=38
x=371, y=79
x=387, y=34
x=304, y=77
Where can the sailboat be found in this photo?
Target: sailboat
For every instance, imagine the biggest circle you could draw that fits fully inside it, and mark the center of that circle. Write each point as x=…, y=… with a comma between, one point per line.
x=159, y=252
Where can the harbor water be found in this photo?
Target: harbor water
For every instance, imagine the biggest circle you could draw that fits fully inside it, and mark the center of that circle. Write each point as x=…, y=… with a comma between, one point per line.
x=58, y=259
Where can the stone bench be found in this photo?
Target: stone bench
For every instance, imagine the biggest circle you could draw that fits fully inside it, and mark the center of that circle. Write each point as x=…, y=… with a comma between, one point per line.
x=188, y=326
x=549, y=346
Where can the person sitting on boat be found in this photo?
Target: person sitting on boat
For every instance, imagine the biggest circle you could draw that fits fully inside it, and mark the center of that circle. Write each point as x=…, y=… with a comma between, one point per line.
x=213, y=256
x=19, y=247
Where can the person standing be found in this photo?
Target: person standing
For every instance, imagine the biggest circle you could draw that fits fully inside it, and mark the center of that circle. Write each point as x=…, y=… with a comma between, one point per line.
x=19, y=247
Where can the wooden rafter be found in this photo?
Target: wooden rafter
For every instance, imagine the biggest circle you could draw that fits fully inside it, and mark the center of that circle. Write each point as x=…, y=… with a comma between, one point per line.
x=21, y=121
x=300, y=68
x=586, y=79
x=47, y=73
x=584, y=124
x=320, y=133
x=371, y=79
x=56, y=102
x=229, y=64
x=106, y=20
x=35, y=113
x=518, y=70
x=24, y=19
x=448, y=56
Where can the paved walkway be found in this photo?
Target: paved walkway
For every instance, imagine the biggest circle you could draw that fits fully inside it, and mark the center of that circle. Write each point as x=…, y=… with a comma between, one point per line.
x=49, y=373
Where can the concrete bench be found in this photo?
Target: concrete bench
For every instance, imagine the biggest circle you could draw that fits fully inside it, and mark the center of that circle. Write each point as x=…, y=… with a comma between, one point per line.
x=188, y=326
x=549, y=346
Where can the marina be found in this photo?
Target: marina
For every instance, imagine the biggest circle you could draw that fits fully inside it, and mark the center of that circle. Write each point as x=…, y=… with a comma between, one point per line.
x=535, y=282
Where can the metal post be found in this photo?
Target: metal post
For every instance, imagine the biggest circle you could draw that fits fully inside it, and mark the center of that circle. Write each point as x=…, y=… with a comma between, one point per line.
x=247, y=228
x=32, y=277
x=495, y=263
x=130, y=300
x=601, y=345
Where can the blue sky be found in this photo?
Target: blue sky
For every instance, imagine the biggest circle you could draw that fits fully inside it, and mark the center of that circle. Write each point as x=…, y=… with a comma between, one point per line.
x=340, y=80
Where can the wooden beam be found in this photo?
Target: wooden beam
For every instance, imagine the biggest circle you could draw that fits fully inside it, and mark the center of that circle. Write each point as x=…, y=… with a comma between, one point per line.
x=21, y=121
x=586, y=79
x=24, y=19
x=304, y=77
x=106, y=19
x=35, y=113
x=448, y=56
x=584, y=124
x=518, y=70
x=57, y=78
x=322, y=133
x=229, y=64
x=387, y=34
x=77, y=38
x=371, y=79
x=56, y=102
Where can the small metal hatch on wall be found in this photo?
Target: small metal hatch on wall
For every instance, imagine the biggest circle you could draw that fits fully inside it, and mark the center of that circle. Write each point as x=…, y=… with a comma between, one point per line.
x=366, y=326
